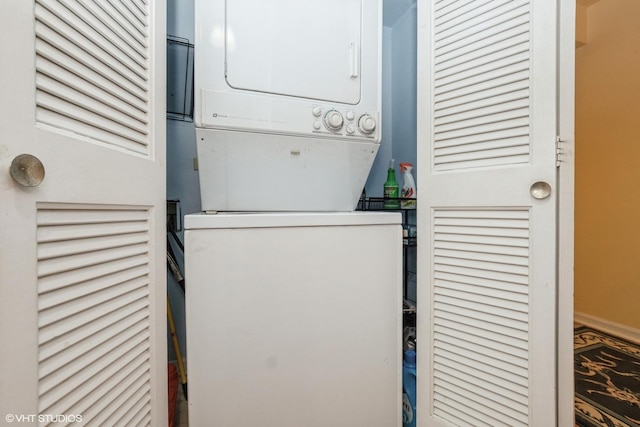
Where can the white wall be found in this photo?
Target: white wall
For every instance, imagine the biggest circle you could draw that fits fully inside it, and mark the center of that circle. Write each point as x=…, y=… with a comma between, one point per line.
x=398, y=101
x=180, y=18
x=399, y=80
x=378, y=175
x=403, y=99
x=403, y=120
x=182, y=179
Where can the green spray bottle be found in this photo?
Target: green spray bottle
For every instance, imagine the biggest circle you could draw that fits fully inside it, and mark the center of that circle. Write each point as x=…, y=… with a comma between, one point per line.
x=391, y=189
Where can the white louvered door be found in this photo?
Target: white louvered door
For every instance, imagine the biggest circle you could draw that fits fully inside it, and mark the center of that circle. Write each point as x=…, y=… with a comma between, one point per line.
x=82, y=261
x=487, y=257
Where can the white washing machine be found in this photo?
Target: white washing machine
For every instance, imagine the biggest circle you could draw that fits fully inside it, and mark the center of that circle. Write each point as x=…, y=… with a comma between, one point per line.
x=294, y=319
x=287, y=102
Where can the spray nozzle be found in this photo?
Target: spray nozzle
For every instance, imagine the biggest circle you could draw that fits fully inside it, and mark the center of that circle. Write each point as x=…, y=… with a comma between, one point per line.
x=405, y=166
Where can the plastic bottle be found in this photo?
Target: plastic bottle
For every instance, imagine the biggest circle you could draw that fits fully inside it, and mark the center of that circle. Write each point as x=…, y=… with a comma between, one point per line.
x=409, y=389
x=408, y=186
x=391, y=188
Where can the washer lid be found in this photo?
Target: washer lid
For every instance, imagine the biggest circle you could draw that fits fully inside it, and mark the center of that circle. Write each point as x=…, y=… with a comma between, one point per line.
x=308, y=49
x=288, y=219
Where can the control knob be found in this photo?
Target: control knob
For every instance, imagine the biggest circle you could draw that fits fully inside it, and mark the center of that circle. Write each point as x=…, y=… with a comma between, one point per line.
x=366, y=124
x=333, y=120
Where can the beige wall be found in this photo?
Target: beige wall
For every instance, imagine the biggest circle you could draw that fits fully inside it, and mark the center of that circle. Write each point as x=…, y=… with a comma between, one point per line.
x=607, y=217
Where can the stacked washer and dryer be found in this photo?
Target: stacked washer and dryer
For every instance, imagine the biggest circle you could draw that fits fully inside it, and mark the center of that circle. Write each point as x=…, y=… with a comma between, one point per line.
x=294, y=302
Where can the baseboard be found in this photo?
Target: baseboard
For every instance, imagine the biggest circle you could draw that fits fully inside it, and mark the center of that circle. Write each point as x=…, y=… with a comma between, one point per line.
x=616, y=329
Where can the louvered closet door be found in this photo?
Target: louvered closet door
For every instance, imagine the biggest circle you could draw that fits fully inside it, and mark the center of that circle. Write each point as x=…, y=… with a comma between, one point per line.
x=487, y=272
x=82, y=261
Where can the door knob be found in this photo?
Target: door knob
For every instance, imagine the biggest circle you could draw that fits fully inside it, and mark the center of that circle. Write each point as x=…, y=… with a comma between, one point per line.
x=27, y=170
x=540, y=190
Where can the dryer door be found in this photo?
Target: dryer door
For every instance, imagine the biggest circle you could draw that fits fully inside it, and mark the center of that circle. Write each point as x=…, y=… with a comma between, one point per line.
x=306, y=49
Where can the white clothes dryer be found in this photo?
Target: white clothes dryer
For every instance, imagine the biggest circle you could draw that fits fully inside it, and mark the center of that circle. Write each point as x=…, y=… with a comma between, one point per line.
x=307, y=72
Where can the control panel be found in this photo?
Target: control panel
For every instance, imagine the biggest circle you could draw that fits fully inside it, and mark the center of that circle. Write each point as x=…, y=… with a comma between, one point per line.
x=281, y=115
x=343, y=122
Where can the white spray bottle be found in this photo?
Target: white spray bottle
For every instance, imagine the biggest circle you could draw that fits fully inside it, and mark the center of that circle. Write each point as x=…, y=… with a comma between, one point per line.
x=408, y=187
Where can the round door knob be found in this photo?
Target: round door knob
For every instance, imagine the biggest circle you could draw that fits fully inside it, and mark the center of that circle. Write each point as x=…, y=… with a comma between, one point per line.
x=540, y=190
x=333, y=120
x=366, y=124
x=27, y=170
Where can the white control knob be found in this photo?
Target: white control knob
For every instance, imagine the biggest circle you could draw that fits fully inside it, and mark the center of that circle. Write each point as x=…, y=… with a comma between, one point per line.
x=316, y=125
x=350, y=129
x=333, y=120
x=350, y=115
x=366, y=124
x=316, y=111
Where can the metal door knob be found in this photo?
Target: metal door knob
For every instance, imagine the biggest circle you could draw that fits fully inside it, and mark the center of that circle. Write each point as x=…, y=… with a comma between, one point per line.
x=540, y=190
x=27, y=170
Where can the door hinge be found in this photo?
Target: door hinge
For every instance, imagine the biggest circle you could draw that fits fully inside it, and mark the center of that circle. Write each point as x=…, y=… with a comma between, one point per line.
x=558, y=150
